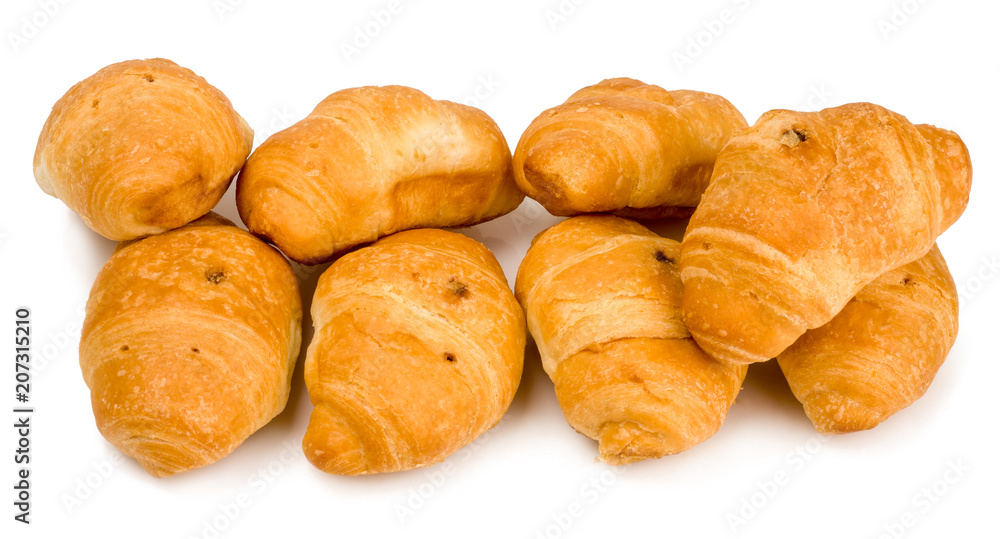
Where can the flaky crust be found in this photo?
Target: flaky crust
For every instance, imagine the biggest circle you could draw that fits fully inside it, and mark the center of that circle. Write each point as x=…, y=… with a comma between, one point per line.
x=371, y=161
x=880, y=353
x=626, y=147
x=805, y=209
x=141, y=147
x=602, y=297
x=418, y=349
x=189, y=343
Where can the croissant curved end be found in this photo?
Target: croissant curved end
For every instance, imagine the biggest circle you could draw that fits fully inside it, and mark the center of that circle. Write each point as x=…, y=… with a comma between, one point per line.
x=153, y=454
x=331, y=444
x=954, y=170
x=833, y=412
x=569, y=172
x=626, y=442
x=162, y=457
x=717, y=315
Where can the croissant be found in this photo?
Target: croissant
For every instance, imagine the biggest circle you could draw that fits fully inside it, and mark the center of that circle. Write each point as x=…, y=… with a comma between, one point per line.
x=602, y=299
x=418, y=349
x=805, y=209
x=626, y=147
x=880, y=353
x=141, y=147
x=189, y=342
x=371, y=161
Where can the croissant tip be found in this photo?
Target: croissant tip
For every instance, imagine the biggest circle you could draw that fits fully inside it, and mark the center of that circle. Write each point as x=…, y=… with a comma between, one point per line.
x=155, y=470
x=331, y=445
x=627, y=442
x=833, y=412
x=162, y=457
x=571, y=176
x=725, y=353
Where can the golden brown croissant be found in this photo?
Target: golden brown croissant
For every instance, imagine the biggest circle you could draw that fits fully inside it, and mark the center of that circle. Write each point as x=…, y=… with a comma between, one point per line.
x=141, y=147
x=189, y=343
x=805, y=209
x=602, y=297
x=371, y=161
x=625, y=147
x=418, y=350
x=880, y=353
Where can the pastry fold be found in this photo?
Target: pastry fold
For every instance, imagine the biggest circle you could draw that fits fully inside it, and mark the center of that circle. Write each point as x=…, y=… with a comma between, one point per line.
x=602, y=298
x=625, y=147
x=141, y=147
x=804, y=210
x=189, y=343
x=371, y=161
x=418, y=349
x=880, y=353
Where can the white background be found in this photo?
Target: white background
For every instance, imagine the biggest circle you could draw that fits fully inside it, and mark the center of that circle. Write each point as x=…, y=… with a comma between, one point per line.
x=276, y=60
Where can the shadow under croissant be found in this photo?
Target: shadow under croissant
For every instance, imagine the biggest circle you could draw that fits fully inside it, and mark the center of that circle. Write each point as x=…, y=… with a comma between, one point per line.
x=531, y=376
x=286, y=421
x=668, y=228
x=768, y=379
x=534, y=384
x=89, y=248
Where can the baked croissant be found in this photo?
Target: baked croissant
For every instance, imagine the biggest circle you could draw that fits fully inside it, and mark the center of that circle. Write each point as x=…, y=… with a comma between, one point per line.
x=880, y=353
x=189, y=342
x=625, y=147
x=418, y=349
x=371, y=161
x=805, y=209
x=602, y=298
x=141, y=147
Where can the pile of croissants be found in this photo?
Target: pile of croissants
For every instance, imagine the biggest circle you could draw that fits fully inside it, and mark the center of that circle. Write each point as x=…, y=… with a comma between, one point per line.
x=811, y=240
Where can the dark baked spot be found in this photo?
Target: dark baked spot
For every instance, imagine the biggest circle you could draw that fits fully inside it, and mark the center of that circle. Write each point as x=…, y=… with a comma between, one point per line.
x=195, y=350
x=458, y=287
x=125, y=348
x=95, y=103
x=662, y=257
x=148, y=77
x=215, y=276
x=450, y=357
x=706, y=245
x=907, y=281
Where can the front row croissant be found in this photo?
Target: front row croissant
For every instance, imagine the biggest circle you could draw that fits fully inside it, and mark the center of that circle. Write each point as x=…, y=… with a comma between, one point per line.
x=191, y=338
x=812, y=241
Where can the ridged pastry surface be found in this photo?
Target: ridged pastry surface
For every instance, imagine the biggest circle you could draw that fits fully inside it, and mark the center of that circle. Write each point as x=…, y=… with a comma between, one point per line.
x=626, y=147
x=419, y=348
x=371, y=161
x=602, y=296
x=189, y=343
x=141, y=147
x=880, y=353
x=803, y=211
